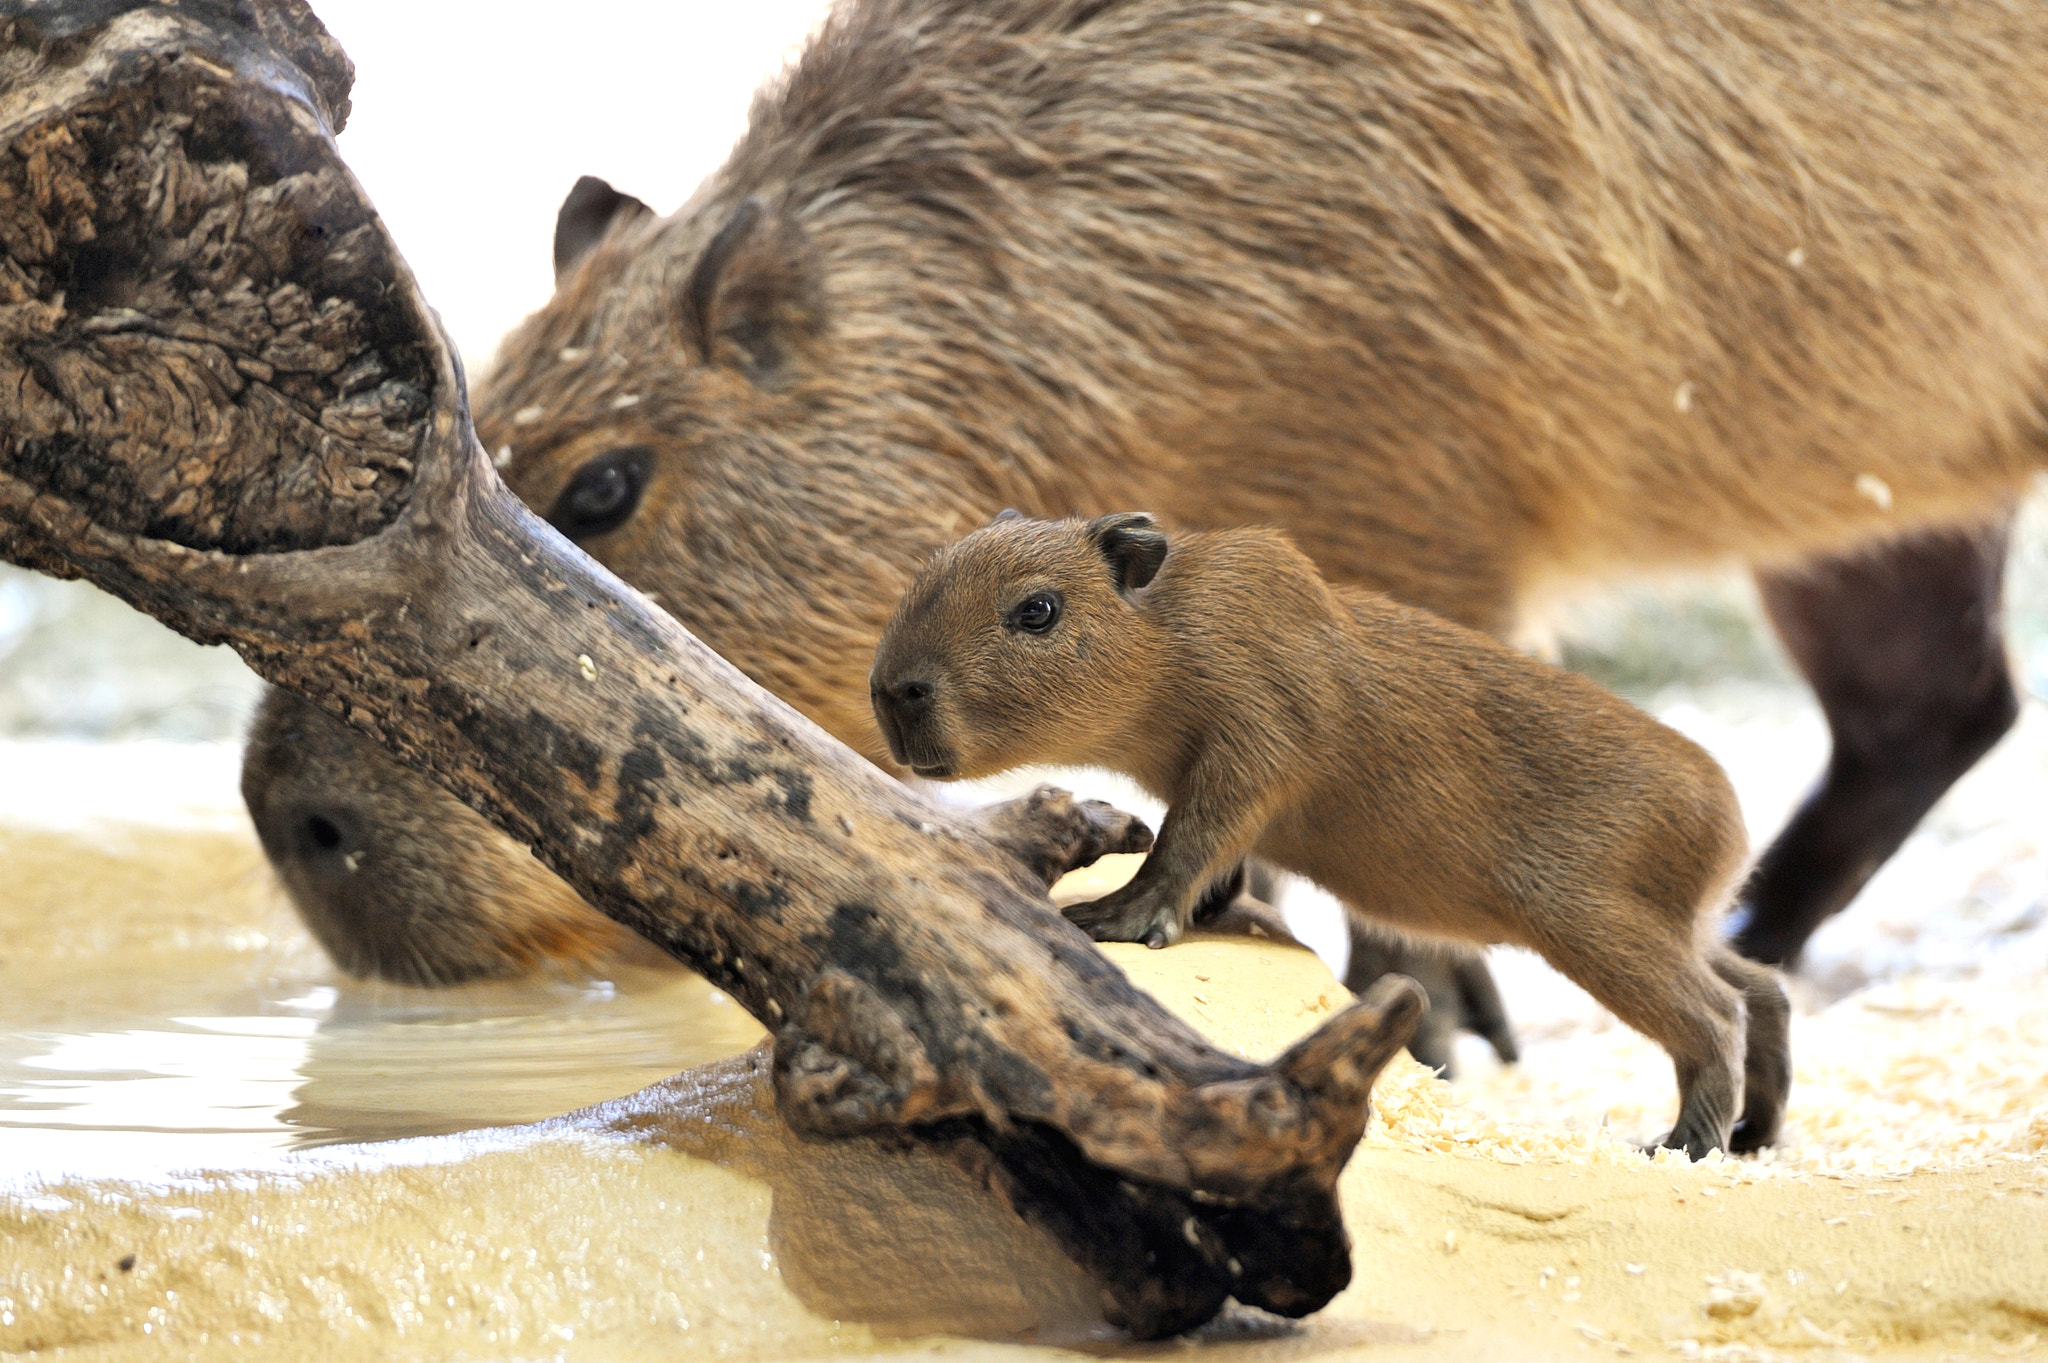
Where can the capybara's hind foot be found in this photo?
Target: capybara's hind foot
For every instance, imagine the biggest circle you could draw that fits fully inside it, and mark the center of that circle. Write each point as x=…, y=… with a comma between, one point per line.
x=1693, y=1138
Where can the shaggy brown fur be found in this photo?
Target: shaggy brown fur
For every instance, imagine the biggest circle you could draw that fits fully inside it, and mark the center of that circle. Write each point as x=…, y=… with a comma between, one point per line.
x=1427, y=775
x=1470, y=296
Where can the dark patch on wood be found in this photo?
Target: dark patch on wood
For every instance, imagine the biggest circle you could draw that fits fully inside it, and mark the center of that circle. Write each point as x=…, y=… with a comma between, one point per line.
x=639, y=791
x=558, y=746
x=756, y=900
x=796, y=792
x=860, y=932
x=655, y=724
x=1289, y=1265
x=1161, y=1279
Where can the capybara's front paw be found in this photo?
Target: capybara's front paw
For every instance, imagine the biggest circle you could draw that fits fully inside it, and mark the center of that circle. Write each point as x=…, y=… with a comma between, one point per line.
x=1129, y=916
x=1053, y=833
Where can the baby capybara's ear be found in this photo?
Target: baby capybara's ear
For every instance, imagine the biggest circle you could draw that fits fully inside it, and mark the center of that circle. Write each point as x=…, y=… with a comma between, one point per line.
x=1008, y=513
x=591, y=210
x=1133, y=544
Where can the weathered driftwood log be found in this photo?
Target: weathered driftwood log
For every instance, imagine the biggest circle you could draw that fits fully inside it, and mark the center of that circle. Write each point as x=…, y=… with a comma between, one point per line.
x=223, y=398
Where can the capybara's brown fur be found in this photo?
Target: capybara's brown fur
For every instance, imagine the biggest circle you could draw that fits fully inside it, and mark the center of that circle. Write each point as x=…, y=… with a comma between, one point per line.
x=1427, y=775
x=1469, y=296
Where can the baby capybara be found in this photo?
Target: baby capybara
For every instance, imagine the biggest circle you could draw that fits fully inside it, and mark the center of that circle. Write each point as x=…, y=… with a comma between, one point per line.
x=1424, y=773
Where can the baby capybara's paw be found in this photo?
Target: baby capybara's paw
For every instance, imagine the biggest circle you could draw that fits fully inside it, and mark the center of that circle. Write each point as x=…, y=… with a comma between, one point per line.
x=1132, y=914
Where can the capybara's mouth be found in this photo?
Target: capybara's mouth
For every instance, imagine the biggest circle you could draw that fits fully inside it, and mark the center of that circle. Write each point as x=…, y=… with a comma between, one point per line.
x=892, y=734
x=920, y=757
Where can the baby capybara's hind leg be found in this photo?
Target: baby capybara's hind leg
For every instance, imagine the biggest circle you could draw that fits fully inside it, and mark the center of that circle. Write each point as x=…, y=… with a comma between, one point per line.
x=1767, y=1059
x=1649, y=972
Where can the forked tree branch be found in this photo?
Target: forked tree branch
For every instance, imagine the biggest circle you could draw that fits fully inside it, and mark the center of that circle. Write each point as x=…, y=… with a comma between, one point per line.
x=223, y=398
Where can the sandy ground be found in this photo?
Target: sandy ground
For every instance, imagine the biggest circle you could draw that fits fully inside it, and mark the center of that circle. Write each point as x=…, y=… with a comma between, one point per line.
x=683, y=1219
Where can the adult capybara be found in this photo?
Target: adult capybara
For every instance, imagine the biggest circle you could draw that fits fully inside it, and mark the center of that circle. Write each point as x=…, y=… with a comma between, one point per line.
x=1472, y=297
x=1426, y=774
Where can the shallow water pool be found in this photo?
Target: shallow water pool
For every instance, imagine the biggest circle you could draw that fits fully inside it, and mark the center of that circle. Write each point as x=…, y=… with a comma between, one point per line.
x=161, y=1009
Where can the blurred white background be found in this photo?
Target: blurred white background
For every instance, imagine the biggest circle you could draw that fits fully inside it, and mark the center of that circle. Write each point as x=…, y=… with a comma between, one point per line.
x=472, y=121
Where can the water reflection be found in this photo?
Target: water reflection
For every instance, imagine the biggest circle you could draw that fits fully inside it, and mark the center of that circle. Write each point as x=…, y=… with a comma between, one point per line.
x=181, y=1020
x=387, y=1061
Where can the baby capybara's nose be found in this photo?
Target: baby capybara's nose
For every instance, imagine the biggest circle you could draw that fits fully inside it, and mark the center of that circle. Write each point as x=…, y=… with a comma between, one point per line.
x=910, y=698
x=900, y=707
x=901, y=703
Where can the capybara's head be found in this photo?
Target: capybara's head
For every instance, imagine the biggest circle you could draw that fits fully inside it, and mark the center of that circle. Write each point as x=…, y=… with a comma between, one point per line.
x=1021, y=643
x=705, y=407
x=395, y=876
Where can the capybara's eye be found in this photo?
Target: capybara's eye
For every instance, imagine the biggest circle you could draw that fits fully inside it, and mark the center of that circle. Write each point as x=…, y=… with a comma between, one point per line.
x=1037, y=613
x=603, y=493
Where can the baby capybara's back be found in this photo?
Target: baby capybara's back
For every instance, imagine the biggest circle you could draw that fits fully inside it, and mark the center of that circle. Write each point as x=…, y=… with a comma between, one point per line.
x=1506, y=779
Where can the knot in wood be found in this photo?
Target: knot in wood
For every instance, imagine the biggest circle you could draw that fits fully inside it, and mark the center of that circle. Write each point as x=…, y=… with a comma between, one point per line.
x=847, y=1063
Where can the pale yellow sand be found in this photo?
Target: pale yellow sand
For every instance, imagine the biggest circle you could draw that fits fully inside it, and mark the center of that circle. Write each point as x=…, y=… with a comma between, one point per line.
x=683, y=1223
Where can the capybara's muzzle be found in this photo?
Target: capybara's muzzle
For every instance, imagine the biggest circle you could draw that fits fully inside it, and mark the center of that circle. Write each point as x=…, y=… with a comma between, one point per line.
x=907, y=712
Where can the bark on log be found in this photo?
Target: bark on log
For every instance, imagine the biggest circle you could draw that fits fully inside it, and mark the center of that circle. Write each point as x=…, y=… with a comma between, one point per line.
x=223, y=398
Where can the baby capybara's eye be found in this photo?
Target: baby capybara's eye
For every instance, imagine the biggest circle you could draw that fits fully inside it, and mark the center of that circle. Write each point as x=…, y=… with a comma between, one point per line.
x=1036, y=614
x=603, y=493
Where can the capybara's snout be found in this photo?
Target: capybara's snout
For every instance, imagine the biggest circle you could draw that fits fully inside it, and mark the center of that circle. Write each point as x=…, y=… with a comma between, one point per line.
x=908, y=713
x=398, y=879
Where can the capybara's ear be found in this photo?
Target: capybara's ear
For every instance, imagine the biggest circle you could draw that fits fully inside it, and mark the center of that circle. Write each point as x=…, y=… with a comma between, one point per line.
x=592, y=209
x=1134, y=545
x=1008, y=513
x=752, y=299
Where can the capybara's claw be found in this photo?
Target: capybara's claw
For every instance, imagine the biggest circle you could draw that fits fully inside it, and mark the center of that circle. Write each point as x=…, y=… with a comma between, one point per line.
x=1695, y=1144
x=1053, y=833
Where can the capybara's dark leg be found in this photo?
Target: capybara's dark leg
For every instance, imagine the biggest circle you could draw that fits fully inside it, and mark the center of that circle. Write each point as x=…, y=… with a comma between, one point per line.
x=1903, y=646
x=1232, y=907
x=1767, y=1056
x=1480, y=1006
x=1377, y=950
x=1461, y=990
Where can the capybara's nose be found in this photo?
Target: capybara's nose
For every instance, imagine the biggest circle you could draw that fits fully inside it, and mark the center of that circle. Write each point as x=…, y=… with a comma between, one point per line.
x=903, y=702
x=900, y=708
x=911, y=698
x=325, y=838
